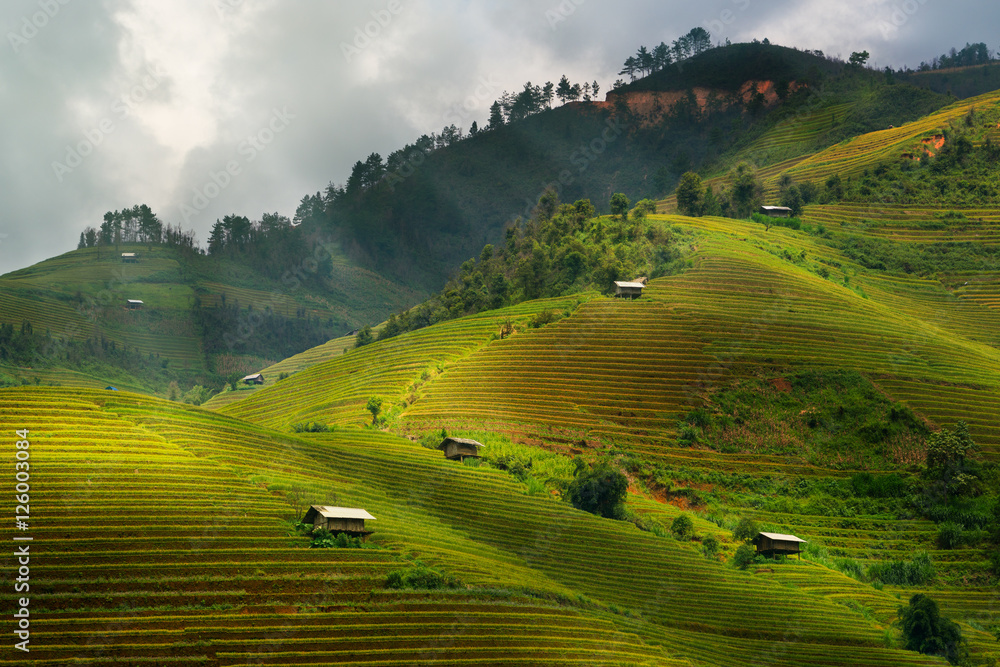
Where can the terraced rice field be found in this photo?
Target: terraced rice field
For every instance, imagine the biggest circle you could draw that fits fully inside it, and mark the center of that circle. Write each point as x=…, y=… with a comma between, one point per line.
x=627, y=370
x=188, y=561
x=331, y=349
x=336, y=391
x=911, y=224
x=152, y=545
x=865, y=151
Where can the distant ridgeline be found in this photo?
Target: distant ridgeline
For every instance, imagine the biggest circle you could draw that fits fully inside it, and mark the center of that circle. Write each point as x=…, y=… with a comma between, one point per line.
x=687, y=107
x=264, y=290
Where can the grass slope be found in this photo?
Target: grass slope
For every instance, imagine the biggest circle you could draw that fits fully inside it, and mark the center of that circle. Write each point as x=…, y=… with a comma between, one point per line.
x=189, y=561
x=80, y=295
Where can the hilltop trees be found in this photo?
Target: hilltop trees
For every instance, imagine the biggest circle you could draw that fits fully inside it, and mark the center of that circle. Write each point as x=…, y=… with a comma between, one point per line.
x=619, y=205
x=137, y=224
x=646, y=61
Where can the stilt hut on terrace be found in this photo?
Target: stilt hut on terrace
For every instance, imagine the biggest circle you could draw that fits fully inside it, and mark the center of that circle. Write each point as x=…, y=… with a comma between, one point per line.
x=777, y=544
x=350, y=520
x=458, y=449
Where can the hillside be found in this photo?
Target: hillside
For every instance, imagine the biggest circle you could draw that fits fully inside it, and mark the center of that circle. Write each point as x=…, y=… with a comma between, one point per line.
x=421, y=218
x=170, y=571
x=775, y=314
x=202, y=319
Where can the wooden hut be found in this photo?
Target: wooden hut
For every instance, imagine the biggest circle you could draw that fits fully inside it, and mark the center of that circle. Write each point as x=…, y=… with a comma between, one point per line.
x=256, y=378
x=776, y=211
x=777, y=544
x=458, y=449
x=130, y=258
x=350, y=520
x=628, y=290
x=133, y=304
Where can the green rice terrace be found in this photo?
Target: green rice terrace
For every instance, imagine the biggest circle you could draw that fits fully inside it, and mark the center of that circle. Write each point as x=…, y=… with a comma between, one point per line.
x=160, y=503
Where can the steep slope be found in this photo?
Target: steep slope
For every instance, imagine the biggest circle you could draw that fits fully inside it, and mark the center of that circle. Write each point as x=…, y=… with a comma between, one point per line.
x=161, y=569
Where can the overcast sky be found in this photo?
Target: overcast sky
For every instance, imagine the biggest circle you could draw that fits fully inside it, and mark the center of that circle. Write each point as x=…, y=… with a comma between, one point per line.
x=201, y=108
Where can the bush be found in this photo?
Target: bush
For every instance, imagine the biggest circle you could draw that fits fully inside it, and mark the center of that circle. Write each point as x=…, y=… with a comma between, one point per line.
x=744, y=556
x=710, y=546
x=419, y=577
x=324, y=539
x=682, y=528
x=746, y=530
x=916, y=572
x=310, y=427
x=950, y=535
x=544, y=317
x=927, y=632
x=600, y=490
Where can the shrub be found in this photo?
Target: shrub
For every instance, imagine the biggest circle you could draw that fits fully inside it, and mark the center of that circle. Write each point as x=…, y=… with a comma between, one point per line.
x=710, y=546
x=324, y=539
x=600, y=490
x=927, y=632
x=419, y=577
x=544, y=317
x=950, y=535
x=744, y=556
x=682, y=528
x=916, y=572
x=310, y=427
x=746, y=530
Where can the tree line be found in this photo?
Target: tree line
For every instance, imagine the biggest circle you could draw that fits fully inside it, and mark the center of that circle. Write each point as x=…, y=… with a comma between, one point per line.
x=137, y=224
x=646, y=61
x=971, y=54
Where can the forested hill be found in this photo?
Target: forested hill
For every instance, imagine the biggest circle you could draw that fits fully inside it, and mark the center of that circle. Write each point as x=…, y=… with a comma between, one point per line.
x=437, y=202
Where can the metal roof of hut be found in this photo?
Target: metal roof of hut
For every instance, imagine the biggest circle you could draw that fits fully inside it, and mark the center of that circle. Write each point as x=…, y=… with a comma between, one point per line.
x=331, y=512
x=781, y=537
x=779, y=211
x=624, y=283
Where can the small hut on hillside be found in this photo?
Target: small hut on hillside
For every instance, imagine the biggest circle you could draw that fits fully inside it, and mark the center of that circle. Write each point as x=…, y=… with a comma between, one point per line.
x=777, y=544
x=133, y=304
x=458, y=449
x=349, y=520
x=129, y=258
x=776, y=211
x=256, y=378
x=628, y=290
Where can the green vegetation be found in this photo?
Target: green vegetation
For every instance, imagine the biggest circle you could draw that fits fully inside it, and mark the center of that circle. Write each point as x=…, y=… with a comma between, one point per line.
x=926, y=631
x=599, y=490
x=821, y=416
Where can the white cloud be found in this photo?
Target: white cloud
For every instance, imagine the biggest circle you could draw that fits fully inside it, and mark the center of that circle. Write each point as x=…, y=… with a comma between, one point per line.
x=226, y=65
